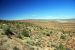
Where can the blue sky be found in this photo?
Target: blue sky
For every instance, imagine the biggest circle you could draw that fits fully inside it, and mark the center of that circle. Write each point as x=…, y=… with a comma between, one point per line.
x=37, y=9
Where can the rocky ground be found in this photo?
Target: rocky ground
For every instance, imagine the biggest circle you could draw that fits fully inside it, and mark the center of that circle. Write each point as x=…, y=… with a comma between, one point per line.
x=32, y=36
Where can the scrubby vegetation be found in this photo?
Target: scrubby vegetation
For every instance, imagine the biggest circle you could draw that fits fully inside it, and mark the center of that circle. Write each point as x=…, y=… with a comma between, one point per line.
x=16, y=35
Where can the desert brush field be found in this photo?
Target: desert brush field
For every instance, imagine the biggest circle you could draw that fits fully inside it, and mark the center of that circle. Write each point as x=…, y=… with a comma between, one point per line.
x=37, y=35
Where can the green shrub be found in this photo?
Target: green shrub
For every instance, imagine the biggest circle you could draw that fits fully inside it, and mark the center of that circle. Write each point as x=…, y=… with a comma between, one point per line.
x=49, y=33
x=15, y=48
x=61, y=47
x=25, y=33
x=29, y=41
x=8, y=32
x=62, y=37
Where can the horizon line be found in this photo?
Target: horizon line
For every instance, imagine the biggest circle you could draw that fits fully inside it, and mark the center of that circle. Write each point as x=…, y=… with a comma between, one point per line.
x=37, y=19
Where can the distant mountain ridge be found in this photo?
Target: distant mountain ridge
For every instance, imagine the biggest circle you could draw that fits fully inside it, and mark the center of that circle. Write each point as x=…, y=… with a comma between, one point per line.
x=43, y=20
